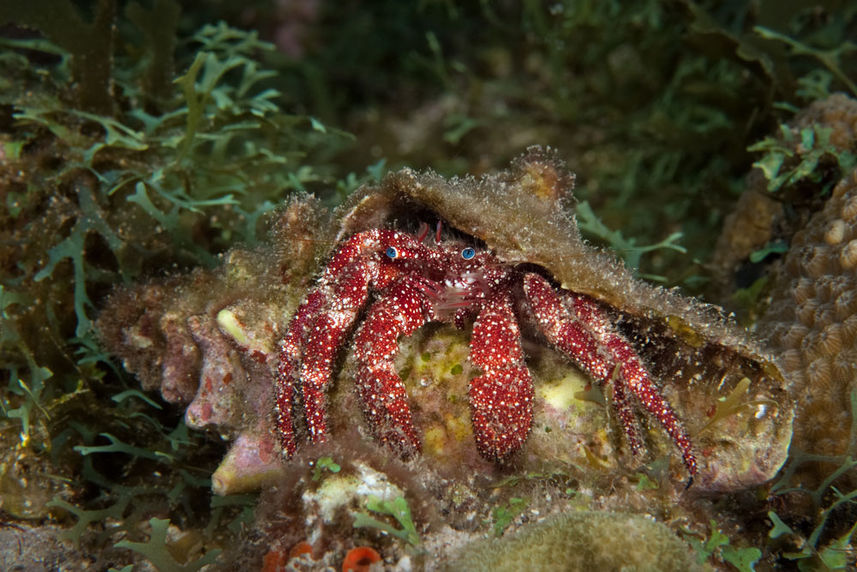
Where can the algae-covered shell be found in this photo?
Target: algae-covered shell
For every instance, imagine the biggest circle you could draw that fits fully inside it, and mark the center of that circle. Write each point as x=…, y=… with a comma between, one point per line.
x=522, y=215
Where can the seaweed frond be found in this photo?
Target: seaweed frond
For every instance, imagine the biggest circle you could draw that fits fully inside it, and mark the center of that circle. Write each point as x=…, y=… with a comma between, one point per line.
x=398, y=509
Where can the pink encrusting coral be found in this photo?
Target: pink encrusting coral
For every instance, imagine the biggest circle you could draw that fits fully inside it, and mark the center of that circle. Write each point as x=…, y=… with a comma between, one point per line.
x=526, y=279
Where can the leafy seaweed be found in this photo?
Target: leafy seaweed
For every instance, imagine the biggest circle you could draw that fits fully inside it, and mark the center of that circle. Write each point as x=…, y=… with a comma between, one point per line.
x=156, y=551
x=397, y=509
x=719, y=546
x=86, y=517
x=744, y=559
x=324, y=464
x=733, y=403
x=627, y=248
x=73, y=247
x=30, y=399
x=844, y=463
x=787, y=160
x=834, y=554
x=773, y=247
x=504, y=515
x=830, y=59
x=125, y=504
x=165, y=172
x=89, y=43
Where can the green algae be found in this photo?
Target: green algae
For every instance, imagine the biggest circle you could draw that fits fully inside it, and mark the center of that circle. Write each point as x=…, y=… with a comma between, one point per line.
x=157, y=551
x=398, y=510
x=111, y=171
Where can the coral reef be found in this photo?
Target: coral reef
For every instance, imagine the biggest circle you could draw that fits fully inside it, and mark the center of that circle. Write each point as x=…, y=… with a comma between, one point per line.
x=812, y=319
x=811, y=315
x=212, y=344
x=115, y=169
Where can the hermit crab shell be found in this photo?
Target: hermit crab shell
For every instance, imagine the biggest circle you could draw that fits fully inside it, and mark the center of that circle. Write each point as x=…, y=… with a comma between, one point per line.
x=522, y=215
x=728, y=388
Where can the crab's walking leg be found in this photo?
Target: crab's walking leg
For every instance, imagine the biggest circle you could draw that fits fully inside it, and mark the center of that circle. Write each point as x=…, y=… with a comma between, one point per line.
x=288, y=366
x=501, y=399
x=404, y=308
x=323, y=341
x=636, y=376
x=316, y=332
x=577, y=342
x=621, y=403
x=580, y=337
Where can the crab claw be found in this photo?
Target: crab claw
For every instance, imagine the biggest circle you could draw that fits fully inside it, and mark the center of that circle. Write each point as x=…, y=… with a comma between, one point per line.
x=501, y=400
x=386, y=407
x=501, y=410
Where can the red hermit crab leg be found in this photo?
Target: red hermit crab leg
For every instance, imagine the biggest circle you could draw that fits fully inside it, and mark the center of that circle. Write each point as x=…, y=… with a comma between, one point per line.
x=571, y=337
x=290, y=353
x=565, y=331
x=402, y=310
x=636, y=376
x=322, y=344
x=620, y=393
x=501, y=400
x=321, y=323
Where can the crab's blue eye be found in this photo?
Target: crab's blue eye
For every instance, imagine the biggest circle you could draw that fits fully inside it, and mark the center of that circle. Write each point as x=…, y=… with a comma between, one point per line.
x=392, y=252
x=468, y=253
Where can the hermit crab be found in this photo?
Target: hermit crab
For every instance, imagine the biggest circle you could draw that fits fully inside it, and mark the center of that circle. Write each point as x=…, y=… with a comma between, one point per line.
x=259, y=347
x=414, y=282
x=521, y=265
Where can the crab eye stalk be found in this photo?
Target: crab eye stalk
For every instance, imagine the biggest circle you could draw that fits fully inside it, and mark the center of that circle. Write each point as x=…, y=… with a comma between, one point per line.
x=392, y=252
x=468, y=253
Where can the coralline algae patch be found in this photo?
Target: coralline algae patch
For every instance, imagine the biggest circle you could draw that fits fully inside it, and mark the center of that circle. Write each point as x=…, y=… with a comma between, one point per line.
x=434, y=367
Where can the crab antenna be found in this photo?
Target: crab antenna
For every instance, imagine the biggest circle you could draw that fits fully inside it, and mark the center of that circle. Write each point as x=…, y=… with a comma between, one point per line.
x=423, y=232
x=437, y=232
